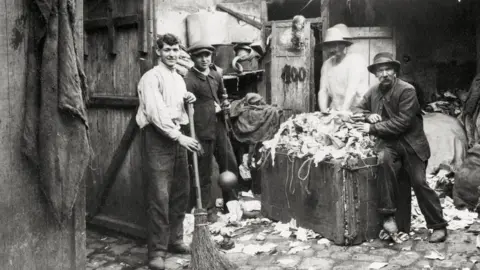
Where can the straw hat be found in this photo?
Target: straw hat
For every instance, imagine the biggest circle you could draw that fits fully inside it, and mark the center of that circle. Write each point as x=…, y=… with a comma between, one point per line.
x=384, y=58
x=334, y=35
x=344, y=29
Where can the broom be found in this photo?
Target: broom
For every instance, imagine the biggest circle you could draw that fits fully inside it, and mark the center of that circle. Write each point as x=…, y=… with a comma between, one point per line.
x=205, y=255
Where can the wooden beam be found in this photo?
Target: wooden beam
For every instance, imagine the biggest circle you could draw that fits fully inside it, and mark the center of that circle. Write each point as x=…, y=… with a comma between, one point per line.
x=143, y=29
x=371, y=32
x=476, y=9
x=240, y=16
x=119, y=225
x=106, y=101
x=111, y=28
x=118, y=21
x=283, y=22
x=115, y=165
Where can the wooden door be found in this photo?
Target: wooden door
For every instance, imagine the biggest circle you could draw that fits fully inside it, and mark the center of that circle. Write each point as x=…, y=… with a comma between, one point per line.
x=368, y=41
x=118, y=50
x=292, y=71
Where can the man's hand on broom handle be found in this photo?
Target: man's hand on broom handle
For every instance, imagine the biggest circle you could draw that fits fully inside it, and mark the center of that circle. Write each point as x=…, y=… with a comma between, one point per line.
x=190, y=144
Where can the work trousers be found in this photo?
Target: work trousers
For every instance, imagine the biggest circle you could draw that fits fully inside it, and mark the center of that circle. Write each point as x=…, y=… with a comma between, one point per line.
x=222, y=149
x=165, y=168
x=399, y=155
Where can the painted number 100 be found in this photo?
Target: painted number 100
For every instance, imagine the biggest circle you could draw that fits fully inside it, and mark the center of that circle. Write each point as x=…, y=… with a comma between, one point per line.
x=293, y=74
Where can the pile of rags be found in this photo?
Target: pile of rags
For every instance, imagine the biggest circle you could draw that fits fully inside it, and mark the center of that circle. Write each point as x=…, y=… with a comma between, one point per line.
x=253, y=120
x=471, y=112
x=321, y=137
x=448, y=102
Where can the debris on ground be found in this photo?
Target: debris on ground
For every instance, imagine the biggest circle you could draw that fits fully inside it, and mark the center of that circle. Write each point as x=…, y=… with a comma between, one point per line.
x=377, y=265
x=398, y=237
x=457, y=219
x=253, y=249
x=324, y=241
x=288, y=229
x=183, y=262
x=296, y=247
x=434, y=255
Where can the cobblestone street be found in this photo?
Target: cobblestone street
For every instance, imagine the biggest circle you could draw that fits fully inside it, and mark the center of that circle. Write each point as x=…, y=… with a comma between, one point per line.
x=107, y=250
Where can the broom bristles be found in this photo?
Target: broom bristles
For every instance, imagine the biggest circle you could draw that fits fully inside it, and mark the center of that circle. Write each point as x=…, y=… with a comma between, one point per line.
x=205, y=255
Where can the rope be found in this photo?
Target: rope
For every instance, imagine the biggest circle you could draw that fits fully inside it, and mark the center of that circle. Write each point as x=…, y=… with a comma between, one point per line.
x=309, y=162
x=289, y=179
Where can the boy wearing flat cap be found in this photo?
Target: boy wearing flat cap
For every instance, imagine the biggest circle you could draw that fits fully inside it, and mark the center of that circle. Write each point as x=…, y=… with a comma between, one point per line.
x=207, y=86
x=393, y=115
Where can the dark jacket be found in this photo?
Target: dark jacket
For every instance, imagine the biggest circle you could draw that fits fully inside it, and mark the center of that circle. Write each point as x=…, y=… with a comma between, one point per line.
x=207, y=90
x=405, y=119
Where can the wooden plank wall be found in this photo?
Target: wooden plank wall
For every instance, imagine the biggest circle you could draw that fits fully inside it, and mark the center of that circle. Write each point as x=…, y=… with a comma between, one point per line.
x=29, y=236
x=368, y=41
x=117, y=77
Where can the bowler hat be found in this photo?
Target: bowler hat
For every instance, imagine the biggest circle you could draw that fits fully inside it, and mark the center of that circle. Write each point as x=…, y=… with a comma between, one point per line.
x=200, y=47
x=383, y=58
x=344, y=29
x=334, y=35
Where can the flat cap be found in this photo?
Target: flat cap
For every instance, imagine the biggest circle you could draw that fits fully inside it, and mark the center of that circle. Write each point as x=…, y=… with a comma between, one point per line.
x=199, y=47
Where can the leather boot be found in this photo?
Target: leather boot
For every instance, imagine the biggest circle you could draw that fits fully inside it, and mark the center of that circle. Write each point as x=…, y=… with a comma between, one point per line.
x=179, y=248
x=157, y=263
x=390, y=225
x=438, y=235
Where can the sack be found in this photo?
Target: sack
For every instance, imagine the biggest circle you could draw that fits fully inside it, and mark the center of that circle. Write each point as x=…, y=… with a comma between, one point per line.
x=448, y=142
x=465, y=192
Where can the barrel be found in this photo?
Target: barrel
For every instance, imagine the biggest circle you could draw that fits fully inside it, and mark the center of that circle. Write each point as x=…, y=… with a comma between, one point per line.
x=211, y=27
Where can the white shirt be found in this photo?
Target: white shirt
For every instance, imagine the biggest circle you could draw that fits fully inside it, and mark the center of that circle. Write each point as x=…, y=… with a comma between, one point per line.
x=350, y=73
x=161, y=93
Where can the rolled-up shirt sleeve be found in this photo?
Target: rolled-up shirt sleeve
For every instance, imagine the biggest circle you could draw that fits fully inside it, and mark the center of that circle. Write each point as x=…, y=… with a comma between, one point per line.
x=154, y=107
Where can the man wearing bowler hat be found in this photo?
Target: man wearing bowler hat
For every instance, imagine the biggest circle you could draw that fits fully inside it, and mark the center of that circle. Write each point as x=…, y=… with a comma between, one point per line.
x=393, y=114
x=344, y=79
x=207, y=86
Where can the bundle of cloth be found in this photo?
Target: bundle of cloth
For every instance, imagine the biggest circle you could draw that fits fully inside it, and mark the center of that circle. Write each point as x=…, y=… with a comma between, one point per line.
x=184, y=63
x=253, y=120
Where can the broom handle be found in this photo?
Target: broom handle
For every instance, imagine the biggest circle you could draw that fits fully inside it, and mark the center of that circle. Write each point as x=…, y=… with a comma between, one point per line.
x=195, y=157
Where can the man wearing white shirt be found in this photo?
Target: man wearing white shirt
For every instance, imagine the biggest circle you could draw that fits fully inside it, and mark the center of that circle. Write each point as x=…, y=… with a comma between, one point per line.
x=162, y=94
x=343, y=80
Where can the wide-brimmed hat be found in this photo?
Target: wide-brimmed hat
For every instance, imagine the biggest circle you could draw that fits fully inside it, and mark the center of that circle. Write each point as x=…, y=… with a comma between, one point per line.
x=384, y=58
x=344, y=29
x=334, y=35
x=200, y=47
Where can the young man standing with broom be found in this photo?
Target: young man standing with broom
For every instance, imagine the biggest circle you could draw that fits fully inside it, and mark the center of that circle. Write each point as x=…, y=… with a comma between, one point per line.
x=161, y=115
x=211, y=110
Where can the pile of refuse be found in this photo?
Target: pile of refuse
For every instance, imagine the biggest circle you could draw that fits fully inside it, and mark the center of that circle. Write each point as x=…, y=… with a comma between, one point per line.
x=457, y=219
x=448, y=102
x=320, y=137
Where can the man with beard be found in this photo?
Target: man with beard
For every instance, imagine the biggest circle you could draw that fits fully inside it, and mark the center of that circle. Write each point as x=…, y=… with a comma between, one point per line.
x=162, y=94
x=344, y=79
x=207, y=85
x=393, y=115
